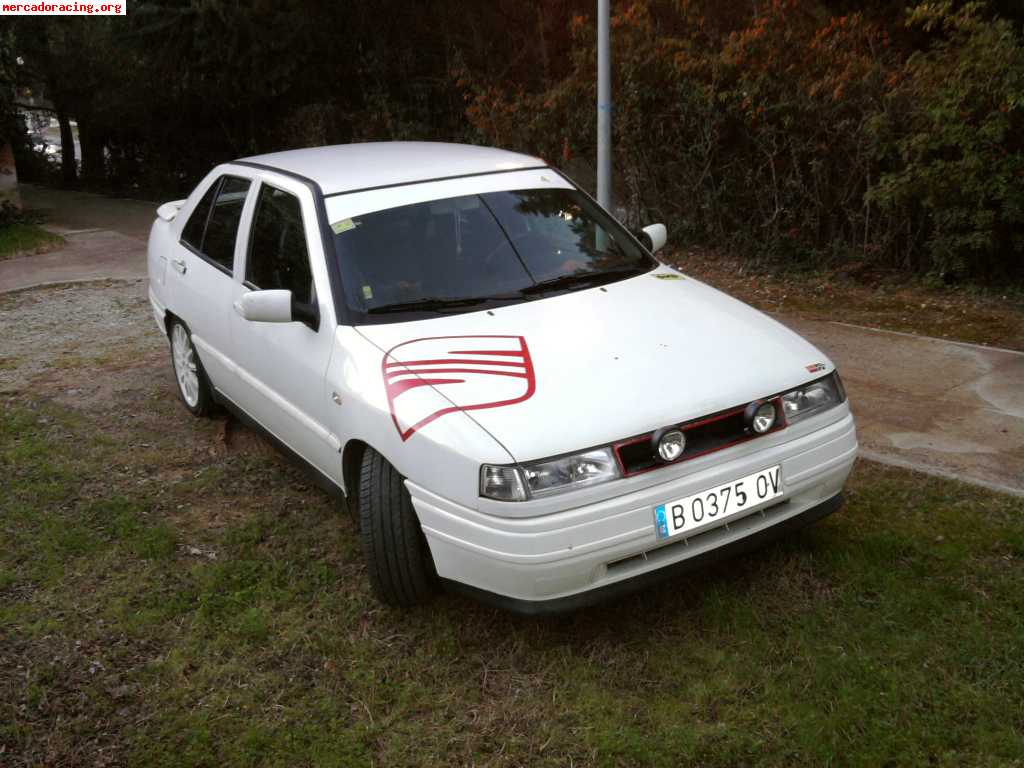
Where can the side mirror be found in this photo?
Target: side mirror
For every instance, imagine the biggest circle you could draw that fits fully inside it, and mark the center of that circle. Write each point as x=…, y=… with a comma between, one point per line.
x=266, y=306
x=654, y=236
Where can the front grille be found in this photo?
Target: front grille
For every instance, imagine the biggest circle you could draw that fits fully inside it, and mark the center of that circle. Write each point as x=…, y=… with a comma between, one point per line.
x=703, y=436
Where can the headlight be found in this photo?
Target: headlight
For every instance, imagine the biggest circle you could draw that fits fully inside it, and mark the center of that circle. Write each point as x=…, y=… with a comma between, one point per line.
x=541, y=478
x=813, y=398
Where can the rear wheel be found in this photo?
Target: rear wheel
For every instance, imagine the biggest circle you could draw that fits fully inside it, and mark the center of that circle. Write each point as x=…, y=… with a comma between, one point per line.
x=193, y=386
x=401, y=569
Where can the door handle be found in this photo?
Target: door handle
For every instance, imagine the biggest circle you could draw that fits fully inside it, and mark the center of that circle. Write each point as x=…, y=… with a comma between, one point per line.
x=180, y=265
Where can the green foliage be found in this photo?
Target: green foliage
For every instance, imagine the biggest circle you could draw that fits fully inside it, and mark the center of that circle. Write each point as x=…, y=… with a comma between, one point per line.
x=804, y=130
x=20, y=236
x=959, y=165
x=792, y=133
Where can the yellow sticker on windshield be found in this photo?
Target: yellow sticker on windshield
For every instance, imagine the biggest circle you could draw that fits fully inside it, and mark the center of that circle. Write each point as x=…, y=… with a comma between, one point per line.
x=343, y=226
x=367, y=292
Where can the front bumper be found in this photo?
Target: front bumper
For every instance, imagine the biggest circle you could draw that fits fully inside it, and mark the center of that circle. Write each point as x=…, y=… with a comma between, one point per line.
x=581, y=555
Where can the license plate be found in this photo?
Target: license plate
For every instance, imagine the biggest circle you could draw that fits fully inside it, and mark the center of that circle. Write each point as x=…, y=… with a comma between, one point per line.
x=690, y=512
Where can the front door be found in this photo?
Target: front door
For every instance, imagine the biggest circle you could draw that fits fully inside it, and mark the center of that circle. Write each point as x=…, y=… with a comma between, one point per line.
x=282, y=366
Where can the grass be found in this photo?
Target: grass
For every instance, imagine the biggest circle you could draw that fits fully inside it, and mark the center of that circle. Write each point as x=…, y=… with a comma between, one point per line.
x=25, y=238
x=131, y=632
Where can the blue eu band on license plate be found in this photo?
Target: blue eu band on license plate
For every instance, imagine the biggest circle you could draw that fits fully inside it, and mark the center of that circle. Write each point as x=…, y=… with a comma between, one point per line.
x=732, y=499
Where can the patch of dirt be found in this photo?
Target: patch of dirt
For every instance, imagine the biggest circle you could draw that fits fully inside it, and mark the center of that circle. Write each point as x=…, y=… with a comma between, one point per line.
x=95, y=350
x=58, y=339
x=861, y=295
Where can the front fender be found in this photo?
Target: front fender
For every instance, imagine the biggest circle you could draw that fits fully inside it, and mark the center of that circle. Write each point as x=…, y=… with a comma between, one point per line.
x=444, y=455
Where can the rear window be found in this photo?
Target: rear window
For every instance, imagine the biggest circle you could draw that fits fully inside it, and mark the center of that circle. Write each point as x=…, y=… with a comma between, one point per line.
x=495, y=244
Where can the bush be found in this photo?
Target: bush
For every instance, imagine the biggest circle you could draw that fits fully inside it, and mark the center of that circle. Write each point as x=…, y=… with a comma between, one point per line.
x=958, y=153
x=797, y=134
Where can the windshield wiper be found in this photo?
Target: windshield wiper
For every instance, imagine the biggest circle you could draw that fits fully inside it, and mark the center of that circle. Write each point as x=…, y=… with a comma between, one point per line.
x=582, y=278
x=438, y=304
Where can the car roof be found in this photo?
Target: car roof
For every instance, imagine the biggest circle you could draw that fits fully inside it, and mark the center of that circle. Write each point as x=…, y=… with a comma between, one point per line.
x=349, y=167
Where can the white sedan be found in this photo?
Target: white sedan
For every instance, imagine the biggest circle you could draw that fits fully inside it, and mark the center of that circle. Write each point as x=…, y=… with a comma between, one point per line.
x=514, y=395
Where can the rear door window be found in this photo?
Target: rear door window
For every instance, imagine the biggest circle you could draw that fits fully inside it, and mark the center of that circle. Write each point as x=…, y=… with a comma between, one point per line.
x=195, y=227
x=214, y=237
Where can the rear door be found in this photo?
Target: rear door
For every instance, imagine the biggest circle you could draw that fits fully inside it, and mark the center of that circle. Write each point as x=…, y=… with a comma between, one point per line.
x=201, y=274
x=282, y=366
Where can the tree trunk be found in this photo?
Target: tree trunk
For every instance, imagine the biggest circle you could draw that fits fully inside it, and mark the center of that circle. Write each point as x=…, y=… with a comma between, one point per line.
x=92, y=153
x=67, y=149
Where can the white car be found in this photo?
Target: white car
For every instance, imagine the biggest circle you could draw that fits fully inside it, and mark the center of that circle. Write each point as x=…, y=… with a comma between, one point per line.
x=517, y=398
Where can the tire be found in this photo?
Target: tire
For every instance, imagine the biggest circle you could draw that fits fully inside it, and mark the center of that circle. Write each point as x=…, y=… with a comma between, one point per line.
x=401, y=570
x=193, y=385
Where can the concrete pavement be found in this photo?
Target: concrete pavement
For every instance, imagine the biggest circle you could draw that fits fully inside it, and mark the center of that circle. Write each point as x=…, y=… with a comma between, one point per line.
x=67, y=210
x=943, y=407
x=932, y=405
x=106, y=239
x=88, y=255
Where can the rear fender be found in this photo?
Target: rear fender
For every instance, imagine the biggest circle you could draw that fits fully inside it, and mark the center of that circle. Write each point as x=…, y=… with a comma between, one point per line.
x=158, y=252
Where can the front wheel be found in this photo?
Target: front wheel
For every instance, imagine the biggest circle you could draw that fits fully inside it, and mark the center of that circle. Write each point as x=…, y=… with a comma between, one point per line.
x=193, y=385
x=401, y=570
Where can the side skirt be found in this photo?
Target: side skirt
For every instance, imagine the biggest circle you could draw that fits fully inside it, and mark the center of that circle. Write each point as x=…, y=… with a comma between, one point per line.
x=322, y=480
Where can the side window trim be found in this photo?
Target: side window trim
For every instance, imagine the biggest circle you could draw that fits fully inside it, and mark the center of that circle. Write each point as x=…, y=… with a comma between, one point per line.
x=216, y=187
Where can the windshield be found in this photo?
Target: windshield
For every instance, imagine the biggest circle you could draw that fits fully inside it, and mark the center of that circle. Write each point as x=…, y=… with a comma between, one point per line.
x=464, y=253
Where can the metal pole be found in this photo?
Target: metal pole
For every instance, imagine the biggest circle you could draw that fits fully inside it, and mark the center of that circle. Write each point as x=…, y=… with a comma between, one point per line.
x=604, y=105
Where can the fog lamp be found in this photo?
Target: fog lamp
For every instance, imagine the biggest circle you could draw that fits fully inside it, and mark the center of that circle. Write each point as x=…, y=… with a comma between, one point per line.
x=760, y=417
x=669, y=443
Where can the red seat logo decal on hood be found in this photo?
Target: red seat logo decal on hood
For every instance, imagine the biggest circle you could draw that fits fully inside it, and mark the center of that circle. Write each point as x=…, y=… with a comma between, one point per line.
x=472, y=372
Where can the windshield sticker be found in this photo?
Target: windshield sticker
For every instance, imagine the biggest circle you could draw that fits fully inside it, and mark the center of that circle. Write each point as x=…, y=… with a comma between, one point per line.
x=367, y=292
x=343, y=226
x=473, y=372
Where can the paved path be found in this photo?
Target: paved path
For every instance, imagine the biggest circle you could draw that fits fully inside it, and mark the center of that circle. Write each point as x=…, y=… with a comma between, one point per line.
x=943, y=407
x=68, y=210
x=106, y=239
x=937, y=406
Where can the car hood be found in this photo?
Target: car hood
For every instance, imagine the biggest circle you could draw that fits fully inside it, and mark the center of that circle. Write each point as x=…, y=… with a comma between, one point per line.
x=591, y=367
